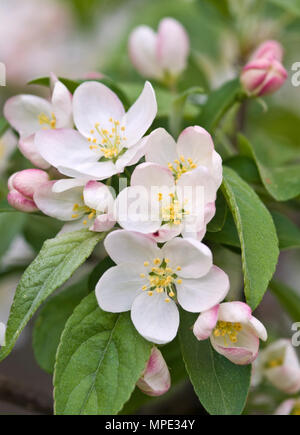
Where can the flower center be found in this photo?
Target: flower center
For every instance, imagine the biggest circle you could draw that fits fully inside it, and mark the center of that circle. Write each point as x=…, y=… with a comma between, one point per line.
x=229, y=329
x=109, y=142
x=296, y=410
x=161, y=278
x=45, y=120
x=181, y=166
x=172, y=211
x=276, y=362
x=90, y=212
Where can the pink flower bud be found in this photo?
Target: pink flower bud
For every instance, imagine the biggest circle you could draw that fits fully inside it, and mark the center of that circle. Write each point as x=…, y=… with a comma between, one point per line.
x=22, y=186
x=155, y=380
x=269, y=49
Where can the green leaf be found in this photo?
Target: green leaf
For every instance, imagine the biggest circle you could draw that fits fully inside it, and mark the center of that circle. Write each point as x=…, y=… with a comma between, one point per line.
x=245, y=167
x=100, y=358
x=53, y=266
x=257, y=234
x=288, y=298
x=288, y=233
x=4, y=125
x=292, y=6
x=11, y=224
x=53, y=317
x=218, y=221
x=218, y=103
x=222, y=387
x=228, y=235
x=178, y=107
x=282, y=182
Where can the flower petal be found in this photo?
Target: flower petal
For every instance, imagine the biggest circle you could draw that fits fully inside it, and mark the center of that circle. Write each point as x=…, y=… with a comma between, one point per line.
x=258, y=328
x=62, y=105
x=151, y=175
x=118, y=287
x=161, y=147
x=27, y=181
x=94, y=103
x=30, y=150
x=237, y=355
x=196, y=143
x=20, y=202
x=68, y=183
x=98, y=196
x=22, y=112
x=125, y=246
x=103, y=222
x=235, y=312
x=156, y=379
x=155, y=319
x=132, y=155
x=201, y=294
x=205, y=323
x=286, y=407
x=193, y=257
x=140, y=115
x=142, y=52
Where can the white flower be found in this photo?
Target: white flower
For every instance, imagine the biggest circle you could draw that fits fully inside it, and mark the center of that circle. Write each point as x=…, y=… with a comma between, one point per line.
x=233, y=331
x=156, y=204
x=162, y=56
x=194, y=148
x=280, y=365
x=84, y=204
x=150, y=281
x=289, y=407
x=29, y=114
x=155, y=380
x=107, y=140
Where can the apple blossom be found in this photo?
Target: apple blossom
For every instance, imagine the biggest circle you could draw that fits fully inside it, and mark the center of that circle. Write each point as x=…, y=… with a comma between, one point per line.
x=155, y=381
x=289, y=407
x=29, y=114
x=194, y=148
x=8, y=143
x=280, y=365
x=264, y=73
x=150, y=281
x=22, y=186
x=233, y=331
x=107, y=140
x=158, y=205
x=85, y=204
x=162, y=55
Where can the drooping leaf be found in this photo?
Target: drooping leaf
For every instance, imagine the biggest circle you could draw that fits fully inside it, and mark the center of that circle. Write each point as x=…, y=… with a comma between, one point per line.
x=222, y=387
x=282, y=182
x=257, y=234
x=288, y=297
x=100, y=358
x=51, y=321
x=53, y=266
x=288, y=233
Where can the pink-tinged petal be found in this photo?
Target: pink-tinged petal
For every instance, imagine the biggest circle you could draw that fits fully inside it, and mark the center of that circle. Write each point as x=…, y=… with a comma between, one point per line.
x=125, y=246
x=269, y=49
x=172, y=46
x=134, y=210
x=201, y=294
x=206, y=323
x=68, y=183
x=142, y=52
x=58, y=205
x=286, y=407
x=20, y=202
x=28, y=181
x=192, y=257
x=62, y=105
x=30, y=150
x=154, y=318
x=140, y=116
x=166, y=232
x=284, y=379
x=237, y=355
x=152, y=174
x=22, y=112
x=235, y=312
x=94, y=103
x=161, y=148
x=98, y=196
x=216, y=168
x=195, y=185
x=103, y=222
x=156, y=379
x=132, y=155
x=196, y=143
x=274, y=80
x=118, y=287
x=258, y=328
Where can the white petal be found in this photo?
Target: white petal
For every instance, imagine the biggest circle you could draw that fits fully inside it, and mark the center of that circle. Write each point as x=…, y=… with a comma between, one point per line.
x=151, y=175
x=125, y=246
x=205, y=323
x=62, y=105
x=258, y=328
x=94, y=103
x=172, y=46
x=235, y=312
x=194, y=184
x=155, y=319
x=118, y=287
x=22, y=112
x=58, y=205
x=201, y=294
x=132, y=155
x=68, y=183
x=98, y=196
x=92, y=170
x=196, y=143
x=193, y=257
x=142, y=52
x=166, y=232
x=30, y=150
x=140, y=115
x=161, y=147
